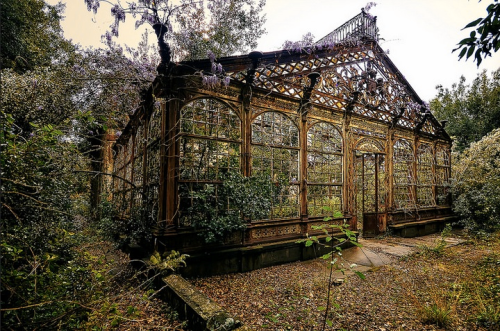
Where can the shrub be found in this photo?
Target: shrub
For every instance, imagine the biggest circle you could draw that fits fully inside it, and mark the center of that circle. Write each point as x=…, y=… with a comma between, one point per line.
x=238, y=200
x=40, y=280
x=476, y=187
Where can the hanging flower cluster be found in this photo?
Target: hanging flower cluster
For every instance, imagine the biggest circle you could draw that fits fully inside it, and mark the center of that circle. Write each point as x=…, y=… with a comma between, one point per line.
x=370, y=5
x=214, y=80
x=119, y=14
x=92, y=5
x=424, y=108
x=149, y=11
x=326, y=45
x=367, y=8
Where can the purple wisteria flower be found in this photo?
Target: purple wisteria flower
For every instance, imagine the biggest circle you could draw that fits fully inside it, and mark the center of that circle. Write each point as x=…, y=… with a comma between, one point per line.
x=118, y=13
x=211, y=56
x=78, y=69
x=92, y=5
x=370, y=5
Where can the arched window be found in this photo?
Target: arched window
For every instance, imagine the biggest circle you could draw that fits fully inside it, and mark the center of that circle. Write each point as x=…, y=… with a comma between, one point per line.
x=404, y=177
x=442, y=174
x=275, y=153
x=209, y=147
x=324, y=170
x=425, y=160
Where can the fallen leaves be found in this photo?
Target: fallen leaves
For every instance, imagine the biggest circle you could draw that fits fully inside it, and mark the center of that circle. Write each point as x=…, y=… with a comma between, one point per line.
x=293, y=296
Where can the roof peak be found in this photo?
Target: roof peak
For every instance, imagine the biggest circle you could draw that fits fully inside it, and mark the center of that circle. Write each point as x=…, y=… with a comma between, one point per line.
x=361, y=27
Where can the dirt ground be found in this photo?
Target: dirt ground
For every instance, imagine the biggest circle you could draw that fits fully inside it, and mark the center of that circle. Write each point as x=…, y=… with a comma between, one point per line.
x=431, y=287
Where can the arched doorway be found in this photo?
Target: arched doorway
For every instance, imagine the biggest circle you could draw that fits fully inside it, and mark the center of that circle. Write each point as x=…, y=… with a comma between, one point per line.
x=370, y=188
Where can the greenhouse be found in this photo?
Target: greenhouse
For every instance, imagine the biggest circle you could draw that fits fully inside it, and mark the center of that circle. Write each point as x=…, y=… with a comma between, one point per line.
x=331, y=129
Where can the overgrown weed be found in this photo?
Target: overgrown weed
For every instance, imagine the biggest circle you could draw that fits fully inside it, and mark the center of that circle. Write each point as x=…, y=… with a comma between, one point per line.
x=439, y=244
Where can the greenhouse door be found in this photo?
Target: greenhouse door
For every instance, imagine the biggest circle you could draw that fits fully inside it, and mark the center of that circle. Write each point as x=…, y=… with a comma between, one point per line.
x=370, y=194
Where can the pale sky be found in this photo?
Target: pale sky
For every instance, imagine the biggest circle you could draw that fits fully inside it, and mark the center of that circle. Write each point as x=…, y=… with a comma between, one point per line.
x=420, y=34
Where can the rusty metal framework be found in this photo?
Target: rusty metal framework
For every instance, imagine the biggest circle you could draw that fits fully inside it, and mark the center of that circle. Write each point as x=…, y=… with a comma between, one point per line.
x=360, y=27
x=336, y=125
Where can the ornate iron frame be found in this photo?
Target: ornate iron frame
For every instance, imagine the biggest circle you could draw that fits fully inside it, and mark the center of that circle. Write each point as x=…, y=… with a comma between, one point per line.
x=345, y=82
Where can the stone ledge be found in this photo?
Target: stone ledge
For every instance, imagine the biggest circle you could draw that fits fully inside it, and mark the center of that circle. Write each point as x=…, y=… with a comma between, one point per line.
x=200, y=311
x=420, y=228
x=423, y=222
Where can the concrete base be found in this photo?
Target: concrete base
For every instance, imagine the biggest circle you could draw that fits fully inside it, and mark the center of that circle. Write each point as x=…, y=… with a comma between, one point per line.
x=250, y=258
x=420, y=228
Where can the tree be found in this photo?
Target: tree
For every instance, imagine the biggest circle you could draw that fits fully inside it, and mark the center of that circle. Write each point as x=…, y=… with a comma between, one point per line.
x=233, y=26
x=485, y=39
x=222, y=26
x=54, y=108
x=471, y=111
x=31, y=35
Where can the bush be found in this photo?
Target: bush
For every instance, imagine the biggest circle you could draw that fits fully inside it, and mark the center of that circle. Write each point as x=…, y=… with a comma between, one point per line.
x=40, y=280
x=133, y=229
x=476, y=187
x=239, y=199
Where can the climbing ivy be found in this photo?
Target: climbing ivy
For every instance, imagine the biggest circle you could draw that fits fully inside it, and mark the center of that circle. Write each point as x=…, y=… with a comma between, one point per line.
x=227, y=207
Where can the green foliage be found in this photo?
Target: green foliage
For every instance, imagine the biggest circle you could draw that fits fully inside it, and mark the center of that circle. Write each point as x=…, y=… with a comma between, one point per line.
x=168, y=262
x=38, y=184
x=471, y=111
x=440, y=244
x=486, y=37
x=222, y=209
x=489, y=317
x=31, y=35
x=194, y=27
x=485, y=294
x=134, y=228
x=437, y=314
x=223, y=27
x=329, y=228
x=54, y=106
x=40, y=281
x=477, y=185
x=42, y=96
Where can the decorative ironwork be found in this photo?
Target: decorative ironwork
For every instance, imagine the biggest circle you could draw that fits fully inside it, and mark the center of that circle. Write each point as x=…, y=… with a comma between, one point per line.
x=267, y=232
x=209, y=146
x=275, y=153
x=425, y=159
x=360, y=27
x=442, y=174
x=359, y=140
x=403, y=176
x=324, y=169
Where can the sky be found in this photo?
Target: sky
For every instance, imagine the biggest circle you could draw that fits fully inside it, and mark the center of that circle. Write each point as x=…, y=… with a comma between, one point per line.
x=419, y=34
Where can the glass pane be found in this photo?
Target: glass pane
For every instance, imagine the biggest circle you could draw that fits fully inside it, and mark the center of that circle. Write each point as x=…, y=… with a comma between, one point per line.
x=275, y=129
x=207, y=159
x=210, y=118
x=279, y=160
x=325, y=138
x=323, y=200
x=425, y=196
x=404, y=178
